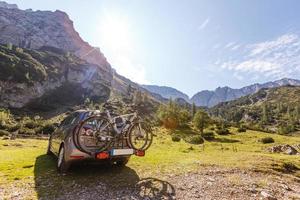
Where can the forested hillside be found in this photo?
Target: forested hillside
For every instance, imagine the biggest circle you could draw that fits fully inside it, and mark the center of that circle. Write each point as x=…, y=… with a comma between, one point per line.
x=275, y=110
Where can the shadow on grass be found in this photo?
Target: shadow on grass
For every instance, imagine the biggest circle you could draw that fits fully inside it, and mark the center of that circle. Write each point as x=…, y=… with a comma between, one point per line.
x=96, y=181
x=224, y=140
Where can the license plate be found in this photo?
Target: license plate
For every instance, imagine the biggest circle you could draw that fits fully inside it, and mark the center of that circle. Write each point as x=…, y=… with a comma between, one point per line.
x=89, y=142
x=120, y=152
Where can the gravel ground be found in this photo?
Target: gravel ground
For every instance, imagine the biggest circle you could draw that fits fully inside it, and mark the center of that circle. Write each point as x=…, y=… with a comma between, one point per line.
x=213, y=183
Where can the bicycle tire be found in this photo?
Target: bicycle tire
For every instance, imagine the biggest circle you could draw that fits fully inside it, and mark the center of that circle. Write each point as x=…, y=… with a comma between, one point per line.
x=82, y=147
x=148, y=136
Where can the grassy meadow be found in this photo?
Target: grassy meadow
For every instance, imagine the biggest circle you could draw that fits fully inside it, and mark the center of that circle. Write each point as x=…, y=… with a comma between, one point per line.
x=24, y=165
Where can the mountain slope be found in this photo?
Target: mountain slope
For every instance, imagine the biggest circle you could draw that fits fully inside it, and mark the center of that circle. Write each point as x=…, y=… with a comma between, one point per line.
x=34, y=29
x=50, y=57
x=166, y=92
x=48, y=75
x=223, y=94
x=269, y=106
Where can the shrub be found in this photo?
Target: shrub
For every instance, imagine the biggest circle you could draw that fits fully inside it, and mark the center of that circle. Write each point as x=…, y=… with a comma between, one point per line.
x=286, y=129
x=212, y=128
x=223, y=131
x=26, y=131
x=241, y=129
x=267, y=140
x=208, y=135
x=4, y=133
x=48, y=128
x=31, y=124
x=197, y=139
x=289, y=167
x=12, y=127
x=176, y=138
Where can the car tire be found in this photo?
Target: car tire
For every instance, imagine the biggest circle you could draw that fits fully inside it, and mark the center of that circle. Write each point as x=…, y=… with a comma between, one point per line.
x=122, y=162
x=62, y=164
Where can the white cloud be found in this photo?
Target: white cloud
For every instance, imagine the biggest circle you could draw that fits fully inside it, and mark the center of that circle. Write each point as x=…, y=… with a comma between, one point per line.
x=229, y=45
x=235, y=47
x=204, y=24
x=276, y=58
x=278, y=44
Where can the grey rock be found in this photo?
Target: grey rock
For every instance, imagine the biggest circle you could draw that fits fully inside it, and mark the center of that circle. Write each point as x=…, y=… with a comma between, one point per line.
x=266, y=195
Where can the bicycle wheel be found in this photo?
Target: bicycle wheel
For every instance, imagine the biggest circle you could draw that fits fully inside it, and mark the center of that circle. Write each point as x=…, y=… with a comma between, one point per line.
x=94, y=134
x=140, y=136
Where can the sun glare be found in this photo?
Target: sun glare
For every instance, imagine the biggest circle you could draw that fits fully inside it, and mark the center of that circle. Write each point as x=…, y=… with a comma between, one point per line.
x=115, y=33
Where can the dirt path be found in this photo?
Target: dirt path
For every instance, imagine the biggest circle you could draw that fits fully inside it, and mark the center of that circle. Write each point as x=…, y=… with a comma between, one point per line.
x=205, y=184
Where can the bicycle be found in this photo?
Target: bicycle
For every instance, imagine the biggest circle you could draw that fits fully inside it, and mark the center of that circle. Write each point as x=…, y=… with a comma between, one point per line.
x=106, y=129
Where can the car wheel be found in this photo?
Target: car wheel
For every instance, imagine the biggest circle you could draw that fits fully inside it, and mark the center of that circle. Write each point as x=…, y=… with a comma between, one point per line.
x=49, y=147
x=122, y=162
x=62, y=164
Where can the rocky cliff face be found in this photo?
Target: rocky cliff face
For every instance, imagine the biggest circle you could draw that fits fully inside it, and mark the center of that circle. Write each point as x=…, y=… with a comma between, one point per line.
x=29, y=76
x=37, y=30
x=223, y=94
x=34, y=29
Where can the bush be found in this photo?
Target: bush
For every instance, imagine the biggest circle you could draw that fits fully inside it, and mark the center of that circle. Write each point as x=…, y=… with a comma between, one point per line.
x=197, y=139
x=176, y=138
x=241, y=129
x=289, y=167
x=4, y=133
x=212, y=128
x=286, y=129
x=208, y=135
x=13, y=127
x=48, y=129
x=31, y=124
x=9, y=127
x=267, y=140
x=223, y=131
x=26, y=131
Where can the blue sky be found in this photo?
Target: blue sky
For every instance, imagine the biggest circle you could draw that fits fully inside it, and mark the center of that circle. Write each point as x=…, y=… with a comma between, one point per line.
x=190, y=45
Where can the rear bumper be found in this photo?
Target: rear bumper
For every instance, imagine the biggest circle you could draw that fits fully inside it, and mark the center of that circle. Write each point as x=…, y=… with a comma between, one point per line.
x=74, y=154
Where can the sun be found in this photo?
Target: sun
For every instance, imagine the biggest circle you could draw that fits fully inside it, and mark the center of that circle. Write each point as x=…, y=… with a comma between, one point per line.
x=115, y=33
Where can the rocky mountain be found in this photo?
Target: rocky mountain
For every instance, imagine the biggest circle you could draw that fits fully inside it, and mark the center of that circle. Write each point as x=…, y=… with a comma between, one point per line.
x=34, y=29
x=48, y=78
x=166, y=92
x=223, y=94
x=42, y=56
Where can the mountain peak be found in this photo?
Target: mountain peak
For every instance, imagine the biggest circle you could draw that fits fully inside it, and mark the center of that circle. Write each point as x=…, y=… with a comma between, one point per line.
x=166, y=92
x=3, y=4
x=222, y=94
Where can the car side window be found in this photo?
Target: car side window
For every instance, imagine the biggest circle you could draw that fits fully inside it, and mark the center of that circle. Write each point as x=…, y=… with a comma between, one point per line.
x=66, y=121
x=74, y=118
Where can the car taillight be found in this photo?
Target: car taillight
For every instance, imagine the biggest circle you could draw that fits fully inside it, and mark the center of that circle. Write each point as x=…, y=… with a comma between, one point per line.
x=77, y=157
x=102, y=155
x=140, y=153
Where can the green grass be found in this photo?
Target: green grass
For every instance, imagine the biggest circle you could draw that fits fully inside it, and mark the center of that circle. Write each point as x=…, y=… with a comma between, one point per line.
x=23, y=162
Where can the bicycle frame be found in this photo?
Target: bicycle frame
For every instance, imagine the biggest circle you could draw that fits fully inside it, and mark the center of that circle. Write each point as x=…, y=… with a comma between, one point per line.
x=112, y=120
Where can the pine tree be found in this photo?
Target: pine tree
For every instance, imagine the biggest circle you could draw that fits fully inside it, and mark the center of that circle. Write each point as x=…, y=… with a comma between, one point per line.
x=297, y=113
x=265, y=117
x=129, y=89
x=9, y=46
x=137, y=97
x=201, y=120
x=193, y=109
